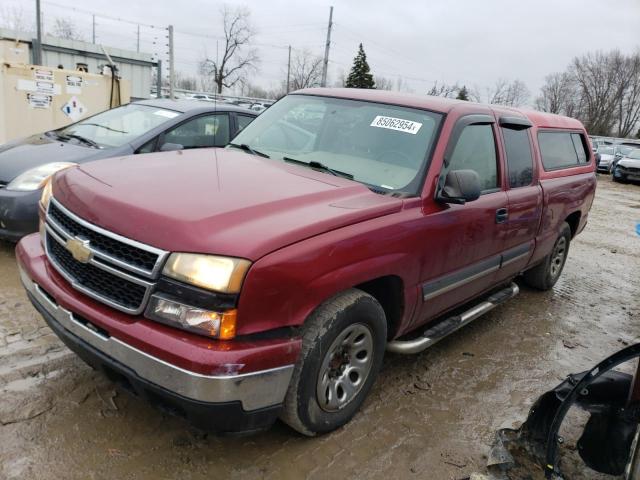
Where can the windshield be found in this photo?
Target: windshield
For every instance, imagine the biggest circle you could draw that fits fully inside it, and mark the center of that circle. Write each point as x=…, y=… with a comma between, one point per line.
x=606, y=150
x=118, y=126
x=635, y=154
x=383, y=146
x=624, y=150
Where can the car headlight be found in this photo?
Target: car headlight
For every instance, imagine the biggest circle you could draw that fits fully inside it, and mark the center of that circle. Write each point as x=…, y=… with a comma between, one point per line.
x=220, y=274
x=34, y=178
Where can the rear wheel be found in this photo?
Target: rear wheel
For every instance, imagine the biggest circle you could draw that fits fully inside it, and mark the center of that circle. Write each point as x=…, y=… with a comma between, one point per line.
x=342, y=349
x=545, y=275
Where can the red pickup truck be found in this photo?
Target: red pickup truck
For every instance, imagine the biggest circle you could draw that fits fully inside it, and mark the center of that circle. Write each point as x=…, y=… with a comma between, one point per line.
x=235, y=286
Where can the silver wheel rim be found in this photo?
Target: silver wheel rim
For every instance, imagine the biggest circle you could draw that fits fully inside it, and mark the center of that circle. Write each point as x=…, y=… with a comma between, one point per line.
x=557, y=258
x=345, y=368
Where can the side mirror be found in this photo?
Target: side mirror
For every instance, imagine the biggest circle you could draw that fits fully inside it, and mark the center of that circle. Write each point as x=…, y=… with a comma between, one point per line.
x=460, y=186
x=170, y=147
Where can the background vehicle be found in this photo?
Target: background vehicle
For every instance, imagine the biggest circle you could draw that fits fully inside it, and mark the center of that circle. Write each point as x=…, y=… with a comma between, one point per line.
x=628, y=167
x=609, y=156
x=371, y=220
x=620, y=151
x=140, y=127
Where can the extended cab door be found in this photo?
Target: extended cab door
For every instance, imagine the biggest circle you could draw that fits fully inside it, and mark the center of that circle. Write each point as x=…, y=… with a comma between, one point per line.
x=464, y=250
x=524, y=194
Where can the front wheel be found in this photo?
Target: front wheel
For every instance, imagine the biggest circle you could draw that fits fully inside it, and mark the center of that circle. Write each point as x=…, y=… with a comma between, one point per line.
x=618, y=176
x=545, y=275
x=342, y=349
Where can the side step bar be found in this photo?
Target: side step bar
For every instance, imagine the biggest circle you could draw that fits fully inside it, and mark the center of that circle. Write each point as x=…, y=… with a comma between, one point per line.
x=446, y=327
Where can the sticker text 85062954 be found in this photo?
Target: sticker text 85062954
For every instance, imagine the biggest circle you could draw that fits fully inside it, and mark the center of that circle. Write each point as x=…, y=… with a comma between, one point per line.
x=398, y=124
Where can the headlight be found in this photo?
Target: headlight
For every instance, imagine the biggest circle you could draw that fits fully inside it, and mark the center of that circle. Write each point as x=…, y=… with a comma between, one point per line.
x=45, y=198
x=221, y=325
x=34, y=179
x=221, y=274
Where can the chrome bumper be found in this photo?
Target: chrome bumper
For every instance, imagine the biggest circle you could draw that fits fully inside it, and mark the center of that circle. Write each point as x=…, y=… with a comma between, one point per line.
x=254, y=390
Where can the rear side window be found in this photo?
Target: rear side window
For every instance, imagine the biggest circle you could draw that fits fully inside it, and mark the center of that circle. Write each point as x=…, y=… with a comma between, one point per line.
x=201, y=132
x=243, y=121
x=519, y=159
x=561, y=150
x=578, y=143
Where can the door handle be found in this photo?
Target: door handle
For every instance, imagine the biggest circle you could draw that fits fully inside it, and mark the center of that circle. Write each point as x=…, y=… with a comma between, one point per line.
x=502, y=215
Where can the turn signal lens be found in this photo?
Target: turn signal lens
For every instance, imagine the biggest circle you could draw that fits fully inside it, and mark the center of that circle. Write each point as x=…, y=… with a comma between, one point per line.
x=45, y=197
x=41, y=229
x=220, y=325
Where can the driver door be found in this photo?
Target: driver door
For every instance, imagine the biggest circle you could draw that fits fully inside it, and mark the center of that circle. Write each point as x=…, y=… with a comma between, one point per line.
x=464, y=242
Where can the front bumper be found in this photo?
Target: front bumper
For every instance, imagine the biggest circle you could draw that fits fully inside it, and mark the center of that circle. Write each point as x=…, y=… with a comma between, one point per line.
x=18, y=214
x=233, y=402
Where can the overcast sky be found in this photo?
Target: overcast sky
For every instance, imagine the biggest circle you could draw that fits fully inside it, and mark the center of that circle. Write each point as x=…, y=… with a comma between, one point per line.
x=472, y=42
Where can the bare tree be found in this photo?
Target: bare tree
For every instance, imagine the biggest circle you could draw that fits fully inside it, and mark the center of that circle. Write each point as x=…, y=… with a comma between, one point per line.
x=64, y=28
x=600, y=89
x=15, y=18
x=558, y=94
x=306, y=70
x=383, y=83
x=186, y=82
x=628, y=111
x=504, y=92
x=600, y=86
x=234, y=63
x=443, y=90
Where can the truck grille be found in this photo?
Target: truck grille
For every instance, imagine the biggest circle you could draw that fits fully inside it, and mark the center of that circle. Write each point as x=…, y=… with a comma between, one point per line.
x=118, y=271
x=102, y=283
x=126, y=253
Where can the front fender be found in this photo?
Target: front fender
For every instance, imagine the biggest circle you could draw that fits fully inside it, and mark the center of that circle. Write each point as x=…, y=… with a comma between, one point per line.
x=284, y=287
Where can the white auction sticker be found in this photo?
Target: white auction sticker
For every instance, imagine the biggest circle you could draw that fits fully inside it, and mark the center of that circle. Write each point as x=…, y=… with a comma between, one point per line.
x=398, y=124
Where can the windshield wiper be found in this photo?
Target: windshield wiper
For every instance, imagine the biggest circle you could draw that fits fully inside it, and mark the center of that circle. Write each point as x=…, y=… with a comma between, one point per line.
x=80, y=138
x=248, y=149
x=319, y=166
x=104, y=126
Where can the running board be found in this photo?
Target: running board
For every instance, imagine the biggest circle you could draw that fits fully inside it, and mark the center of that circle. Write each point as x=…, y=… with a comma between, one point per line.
x=446, y=327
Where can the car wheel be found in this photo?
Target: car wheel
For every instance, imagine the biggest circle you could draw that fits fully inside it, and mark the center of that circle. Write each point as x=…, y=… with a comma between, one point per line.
x=545, y=275
x=343, y=346
x=618, y=176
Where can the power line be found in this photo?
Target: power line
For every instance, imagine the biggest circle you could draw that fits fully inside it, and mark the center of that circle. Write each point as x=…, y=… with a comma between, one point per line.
x=88, y=12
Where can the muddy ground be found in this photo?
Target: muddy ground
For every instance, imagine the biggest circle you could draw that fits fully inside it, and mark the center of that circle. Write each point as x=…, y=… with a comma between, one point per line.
x=430, y=416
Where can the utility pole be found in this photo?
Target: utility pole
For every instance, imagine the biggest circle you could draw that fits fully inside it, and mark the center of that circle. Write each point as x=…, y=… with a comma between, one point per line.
x=138, y=42
x=289, y=70
x=93, y=29
x=325, y=64
x=159, y=79
x=37, y=52
x=171, y=66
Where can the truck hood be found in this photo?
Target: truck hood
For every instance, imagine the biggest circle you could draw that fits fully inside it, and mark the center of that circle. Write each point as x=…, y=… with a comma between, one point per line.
x=21, y=155
x=215, y=201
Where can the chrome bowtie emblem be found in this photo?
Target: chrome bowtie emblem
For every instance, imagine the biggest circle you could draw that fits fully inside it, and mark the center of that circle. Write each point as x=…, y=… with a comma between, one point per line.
x=79, y=249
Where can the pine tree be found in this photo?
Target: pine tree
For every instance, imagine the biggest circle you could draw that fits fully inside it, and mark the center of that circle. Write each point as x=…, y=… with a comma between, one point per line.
x=463, y=94
x=360, y=76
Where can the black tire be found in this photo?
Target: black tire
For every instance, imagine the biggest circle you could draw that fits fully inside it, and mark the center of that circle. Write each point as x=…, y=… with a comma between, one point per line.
x=352, y=312
x=619, y=179
x=545, y=275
